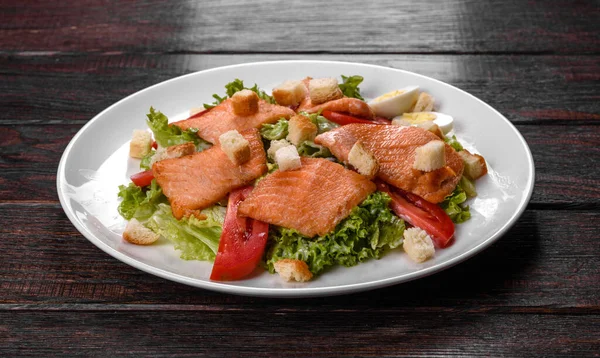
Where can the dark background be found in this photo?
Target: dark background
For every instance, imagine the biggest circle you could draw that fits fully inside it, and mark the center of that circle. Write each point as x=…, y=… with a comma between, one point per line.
x=534, y=292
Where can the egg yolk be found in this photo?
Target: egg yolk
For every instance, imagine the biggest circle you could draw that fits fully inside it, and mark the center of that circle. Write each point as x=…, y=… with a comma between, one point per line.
x=388, y=95
x=419, y=117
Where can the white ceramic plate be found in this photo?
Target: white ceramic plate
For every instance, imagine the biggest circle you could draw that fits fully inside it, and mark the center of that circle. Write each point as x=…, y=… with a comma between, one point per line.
x=96, y=161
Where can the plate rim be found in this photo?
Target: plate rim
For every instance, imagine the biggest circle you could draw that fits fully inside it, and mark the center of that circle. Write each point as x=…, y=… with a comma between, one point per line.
x=292, y=292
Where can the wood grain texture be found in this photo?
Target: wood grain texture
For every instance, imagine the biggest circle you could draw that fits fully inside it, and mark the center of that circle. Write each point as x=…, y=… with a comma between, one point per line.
x=565, y=158
x=534, y=268
x=426, y=26
x=73, y=89
x=368, y=333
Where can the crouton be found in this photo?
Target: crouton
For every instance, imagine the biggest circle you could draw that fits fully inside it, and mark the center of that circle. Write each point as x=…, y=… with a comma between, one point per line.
x=275, y=145
x=293, y=270
x=475, y=166
x=323, y=90
x=287, y=158
x=424, y=103
x=244, y=102
x=301, y=129
x=418, y=245
x=401, y=122
x=235, y=146
x=430, y=156
x=140, y=144
x=174, y=151
x=362, y=160
x=138, y=234
x=431, y=127
x=290, y=93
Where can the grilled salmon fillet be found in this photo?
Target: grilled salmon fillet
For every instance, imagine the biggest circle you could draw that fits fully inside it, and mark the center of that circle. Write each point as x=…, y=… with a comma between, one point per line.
x=197, y=181
x=221, y=119
x=312, y=199
x=352, y=106
x=394, y=148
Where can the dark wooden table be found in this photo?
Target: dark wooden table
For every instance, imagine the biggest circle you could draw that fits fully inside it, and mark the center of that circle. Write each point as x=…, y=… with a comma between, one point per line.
x=534, y=292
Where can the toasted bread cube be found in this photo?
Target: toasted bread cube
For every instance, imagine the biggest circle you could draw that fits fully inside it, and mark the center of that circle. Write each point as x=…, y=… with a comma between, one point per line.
x=287, y=158
x=430, y=156
x=323, y=90
x=424, y=103
x=418, y=245
x=431, y=127
x=275, y=145
x=141, y=144
x=290, y=93
x=475, y=166
x=301, y=129
x=174, y=151
x=361, y=159
x=401, y=122
x=293, y=270
x=245, y=102
x=138, y=234
x=235, y=146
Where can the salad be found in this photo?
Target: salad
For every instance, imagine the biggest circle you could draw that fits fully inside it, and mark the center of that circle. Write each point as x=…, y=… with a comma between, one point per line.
x=309, y=177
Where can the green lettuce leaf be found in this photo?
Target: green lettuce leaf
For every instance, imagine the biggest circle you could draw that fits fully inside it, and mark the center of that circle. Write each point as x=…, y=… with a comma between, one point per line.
x=145, y=162
x=349, y=86
x=235, y=86
x=454, y=143
x=323, y=124
x=275, y=131
x=453, y=204
x=369, y=230
x=166, y=135
x=138, y=203
x=196, y=239
x=310, y=149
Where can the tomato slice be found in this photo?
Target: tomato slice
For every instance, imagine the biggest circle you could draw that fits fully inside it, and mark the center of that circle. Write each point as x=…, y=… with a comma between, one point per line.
x=421, y=213
x=143, y=178
x=154, y=145
x=242, y=242
x=343, y=119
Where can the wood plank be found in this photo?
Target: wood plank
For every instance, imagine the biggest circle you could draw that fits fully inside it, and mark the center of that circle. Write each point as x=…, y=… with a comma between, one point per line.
x=73, y=89
x=427, y=26
x=367, y=333
x=563, y=156
x=539, y=266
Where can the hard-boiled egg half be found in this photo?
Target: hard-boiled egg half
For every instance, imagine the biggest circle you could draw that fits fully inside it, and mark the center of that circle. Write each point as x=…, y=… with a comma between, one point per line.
x=444, y=121
x=395, y=103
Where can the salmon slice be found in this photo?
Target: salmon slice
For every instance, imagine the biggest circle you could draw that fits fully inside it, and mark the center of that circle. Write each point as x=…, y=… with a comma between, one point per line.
x=394, y=148
x=221, y=119
x=195, y=182
x=352, y=106
x=311, y=200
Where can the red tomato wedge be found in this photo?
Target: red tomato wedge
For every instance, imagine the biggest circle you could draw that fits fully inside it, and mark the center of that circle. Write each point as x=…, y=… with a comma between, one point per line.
x=143, y=178
x=154, y=145
x=242, y=242
x=421, y=213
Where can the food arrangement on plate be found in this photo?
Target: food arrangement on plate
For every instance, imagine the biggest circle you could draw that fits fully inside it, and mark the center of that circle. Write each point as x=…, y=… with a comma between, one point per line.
x=299, y=181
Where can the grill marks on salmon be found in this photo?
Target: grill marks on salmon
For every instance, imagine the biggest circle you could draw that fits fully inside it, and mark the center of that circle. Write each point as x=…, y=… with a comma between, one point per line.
x=222, y=118
x=195, y=182
x=311, y=200
x=394, y=148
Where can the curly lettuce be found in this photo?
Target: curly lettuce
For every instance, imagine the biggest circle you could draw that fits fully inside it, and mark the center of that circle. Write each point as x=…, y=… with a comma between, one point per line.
x=275, y=131
x=369, y=230
x=454, y=205
x=349, y=86
x=167, y=135
x=235, y=86
x=196, y=239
